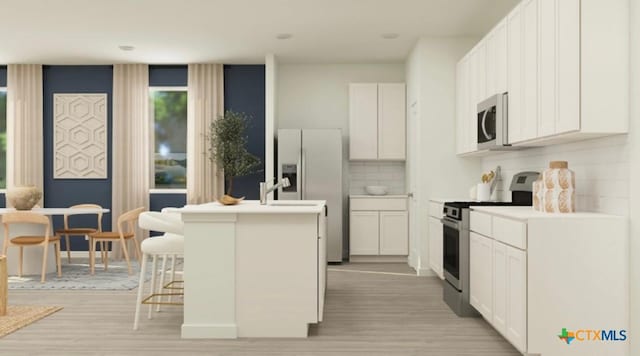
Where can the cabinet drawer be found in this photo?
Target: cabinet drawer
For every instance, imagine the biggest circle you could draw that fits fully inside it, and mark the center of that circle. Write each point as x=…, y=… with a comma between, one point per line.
x=390, y=204
x=480, y=223
x=511, y=232
x=435, y=209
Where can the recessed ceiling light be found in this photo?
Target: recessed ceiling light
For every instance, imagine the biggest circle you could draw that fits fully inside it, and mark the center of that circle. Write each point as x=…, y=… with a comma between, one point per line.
x=126, y=47
x=389, y=36
x=284, y=36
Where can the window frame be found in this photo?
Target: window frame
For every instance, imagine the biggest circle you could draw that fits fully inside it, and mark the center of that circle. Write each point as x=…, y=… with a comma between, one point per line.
x=4, y=89
x=152, y=141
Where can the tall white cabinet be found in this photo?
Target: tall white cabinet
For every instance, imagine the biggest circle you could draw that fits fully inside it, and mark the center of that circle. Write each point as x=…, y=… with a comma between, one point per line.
x=377, y=121
x=565, y=65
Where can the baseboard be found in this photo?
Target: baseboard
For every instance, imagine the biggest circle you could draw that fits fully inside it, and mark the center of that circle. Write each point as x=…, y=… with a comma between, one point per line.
x=377, y=259
x=426, y=272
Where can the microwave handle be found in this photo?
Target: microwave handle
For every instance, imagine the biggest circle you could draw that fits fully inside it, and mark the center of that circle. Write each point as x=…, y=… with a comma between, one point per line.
x=484, y=126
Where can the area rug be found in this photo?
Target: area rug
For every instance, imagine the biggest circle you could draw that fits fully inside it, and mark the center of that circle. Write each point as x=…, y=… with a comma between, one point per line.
x=19, y=316
x=76, y=276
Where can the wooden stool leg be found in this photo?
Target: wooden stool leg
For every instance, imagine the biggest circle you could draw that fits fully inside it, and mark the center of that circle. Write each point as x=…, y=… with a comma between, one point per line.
x=92, y=257
x=44, y=263
x=4, y=281
x=20, y=261
x=58, y=262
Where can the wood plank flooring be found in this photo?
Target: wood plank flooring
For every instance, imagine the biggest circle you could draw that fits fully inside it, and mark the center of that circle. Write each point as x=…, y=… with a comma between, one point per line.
x=389, y=313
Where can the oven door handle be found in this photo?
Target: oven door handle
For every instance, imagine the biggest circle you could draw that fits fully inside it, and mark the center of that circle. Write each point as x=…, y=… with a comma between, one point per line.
x=449, y=223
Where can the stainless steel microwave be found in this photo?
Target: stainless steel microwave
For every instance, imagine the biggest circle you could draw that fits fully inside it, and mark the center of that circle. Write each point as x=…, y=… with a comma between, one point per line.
x=493, y=122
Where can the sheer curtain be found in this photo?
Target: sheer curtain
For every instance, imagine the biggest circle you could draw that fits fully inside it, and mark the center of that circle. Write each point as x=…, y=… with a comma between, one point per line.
x=24, y=126
x=131, y=139
x=205, y=181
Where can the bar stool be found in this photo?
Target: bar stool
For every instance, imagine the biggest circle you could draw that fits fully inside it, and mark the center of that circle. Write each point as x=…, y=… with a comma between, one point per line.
x=170, y=244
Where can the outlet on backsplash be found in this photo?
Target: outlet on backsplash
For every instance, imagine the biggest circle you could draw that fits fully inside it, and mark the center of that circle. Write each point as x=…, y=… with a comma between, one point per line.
x=363, y=173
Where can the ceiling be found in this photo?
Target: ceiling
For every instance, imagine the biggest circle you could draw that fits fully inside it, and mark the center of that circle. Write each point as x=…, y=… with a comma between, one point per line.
x=232, y=31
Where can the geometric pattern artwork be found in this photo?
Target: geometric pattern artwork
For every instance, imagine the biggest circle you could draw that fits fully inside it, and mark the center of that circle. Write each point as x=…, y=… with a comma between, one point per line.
x=80, y=136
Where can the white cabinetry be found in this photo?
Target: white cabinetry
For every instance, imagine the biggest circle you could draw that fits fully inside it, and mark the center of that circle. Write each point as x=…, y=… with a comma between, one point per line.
x=514, y=253
x=378, y=227
x=480, y=280
x=564, y=64
x=377, y=121
x=436, y=238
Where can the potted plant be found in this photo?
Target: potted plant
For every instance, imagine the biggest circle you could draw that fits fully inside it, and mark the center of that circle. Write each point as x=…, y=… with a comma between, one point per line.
x=228, y=148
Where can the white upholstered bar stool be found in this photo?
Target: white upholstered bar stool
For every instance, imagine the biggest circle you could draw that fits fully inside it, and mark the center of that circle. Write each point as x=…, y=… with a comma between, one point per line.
x=170, y=244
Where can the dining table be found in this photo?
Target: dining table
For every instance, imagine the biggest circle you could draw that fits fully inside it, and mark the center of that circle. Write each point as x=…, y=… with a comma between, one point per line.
x=32, y=261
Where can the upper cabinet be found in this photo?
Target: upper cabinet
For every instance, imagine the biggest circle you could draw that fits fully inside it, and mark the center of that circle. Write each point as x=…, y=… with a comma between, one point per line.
x=564, y=65
x=377, y=121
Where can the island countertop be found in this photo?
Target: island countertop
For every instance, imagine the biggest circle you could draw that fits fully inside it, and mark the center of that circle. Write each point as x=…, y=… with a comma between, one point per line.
x=254, y=207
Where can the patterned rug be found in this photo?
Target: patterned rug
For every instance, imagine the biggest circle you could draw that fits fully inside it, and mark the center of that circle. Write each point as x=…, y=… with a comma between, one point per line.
x=19, y=316
x=76, y=275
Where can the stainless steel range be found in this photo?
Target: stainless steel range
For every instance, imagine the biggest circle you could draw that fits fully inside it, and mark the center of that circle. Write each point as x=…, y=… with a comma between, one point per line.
x=456, y=242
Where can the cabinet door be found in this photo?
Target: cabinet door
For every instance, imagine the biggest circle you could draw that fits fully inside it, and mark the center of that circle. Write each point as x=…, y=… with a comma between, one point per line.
x=472, y=125
x=547, y=67
x=363, y=121
x=500, y=287
x=530, y=69
x=391, y=121
x=514, y=74
x=500, y=58
x=435, y=246
x=363, y=233
x=517, y=298
x=394, y=233
x=322, y=263
x=461, y=109
x=491, y=65
x=568, y=65
x=481, y=72
x=480, y=278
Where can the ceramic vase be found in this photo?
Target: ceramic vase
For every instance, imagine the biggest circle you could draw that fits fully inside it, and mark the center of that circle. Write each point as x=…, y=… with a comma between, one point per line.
x=558, y=188
x=23, y=197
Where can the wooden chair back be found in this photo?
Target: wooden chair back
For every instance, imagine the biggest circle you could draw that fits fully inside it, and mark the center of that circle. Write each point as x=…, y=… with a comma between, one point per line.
x=85, y=206
x=129, y=219
x=26, y=217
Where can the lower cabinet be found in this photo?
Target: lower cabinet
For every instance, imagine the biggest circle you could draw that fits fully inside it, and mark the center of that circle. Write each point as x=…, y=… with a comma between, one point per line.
x=480, y=278
x=497, y=286
x=435, y=246
x=374, y=231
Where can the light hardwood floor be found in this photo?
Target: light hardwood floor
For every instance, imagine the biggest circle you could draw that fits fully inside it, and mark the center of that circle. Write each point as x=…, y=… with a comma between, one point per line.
x=366, y=314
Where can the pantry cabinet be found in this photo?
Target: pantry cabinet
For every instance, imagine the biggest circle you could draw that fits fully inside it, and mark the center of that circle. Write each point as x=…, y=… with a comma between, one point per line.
x=377, y=121
x=564, y=65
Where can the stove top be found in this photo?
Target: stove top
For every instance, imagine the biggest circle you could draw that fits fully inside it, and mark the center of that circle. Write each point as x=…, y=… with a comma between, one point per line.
x=466, y=204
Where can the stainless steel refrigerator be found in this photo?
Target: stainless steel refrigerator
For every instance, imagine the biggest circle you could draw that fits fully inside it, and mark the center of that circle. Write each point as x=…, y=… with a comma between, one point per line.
x=312, y=160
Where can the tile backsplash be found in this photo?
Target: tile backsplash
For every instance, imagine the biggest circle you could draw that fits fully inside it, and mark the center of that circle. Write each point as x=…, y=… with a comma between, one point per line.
x=391, y=174
x=601, y=167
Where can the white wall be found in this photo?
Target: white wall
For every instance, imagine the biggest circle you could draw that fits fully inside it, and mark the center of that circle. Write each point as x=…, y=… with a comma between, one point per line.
x=317, y=96
x=271, y=67
x=601, y=167
x=434, y=168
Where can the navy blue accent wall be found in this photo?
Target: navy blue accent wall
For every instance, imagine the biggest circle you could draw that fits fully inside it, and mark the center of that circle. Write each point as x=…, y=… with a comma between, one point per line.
x=244, y=92
x=168, y=75
x=3, y=76
x=67, y=192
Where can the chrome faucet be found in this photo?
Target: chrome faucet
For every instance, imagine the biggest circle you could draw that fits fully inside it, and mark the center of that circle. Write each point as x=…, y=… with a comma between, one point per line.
x=264, y=190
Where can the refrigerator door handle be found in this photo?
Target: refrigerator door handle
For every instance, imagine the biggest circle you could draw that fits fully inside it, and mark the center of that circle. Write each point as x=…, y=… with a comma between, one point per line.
x=304, y=175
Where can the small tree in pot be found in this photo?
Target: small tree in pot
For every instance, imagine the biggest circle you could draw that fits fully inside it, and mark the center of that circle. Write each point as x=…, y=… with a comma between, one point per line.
x=227, y=147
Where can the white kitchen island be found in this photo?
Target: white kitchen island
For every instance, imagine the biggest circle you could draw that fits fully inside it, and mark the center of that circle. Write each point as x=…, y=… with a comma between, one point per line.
x=253, y=270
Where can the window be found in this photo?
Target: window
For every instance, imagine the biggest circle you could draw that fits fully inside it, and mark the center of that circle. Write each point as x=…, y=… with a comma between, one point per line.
x=168, y=106
x=3, y=138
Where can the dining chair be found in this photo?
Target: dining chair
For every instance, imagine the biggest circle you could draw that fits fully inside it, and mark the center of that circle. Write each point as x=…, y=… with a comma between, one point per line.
x=82, y=231
x=23, y=217
x=127, y=223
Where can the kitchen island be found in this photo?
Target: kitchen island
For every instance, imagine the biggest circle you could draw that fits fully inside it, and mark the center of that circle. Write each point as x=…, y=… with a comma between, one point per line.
x=253, y=270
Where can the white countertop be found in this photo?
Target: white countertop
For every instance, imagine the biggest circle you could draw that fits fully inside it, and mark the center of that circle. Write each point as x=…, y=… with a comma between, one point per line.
x=447, y=200
x=57, y=211
x=254, y=207
x=389, y=196
x=527, y=212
